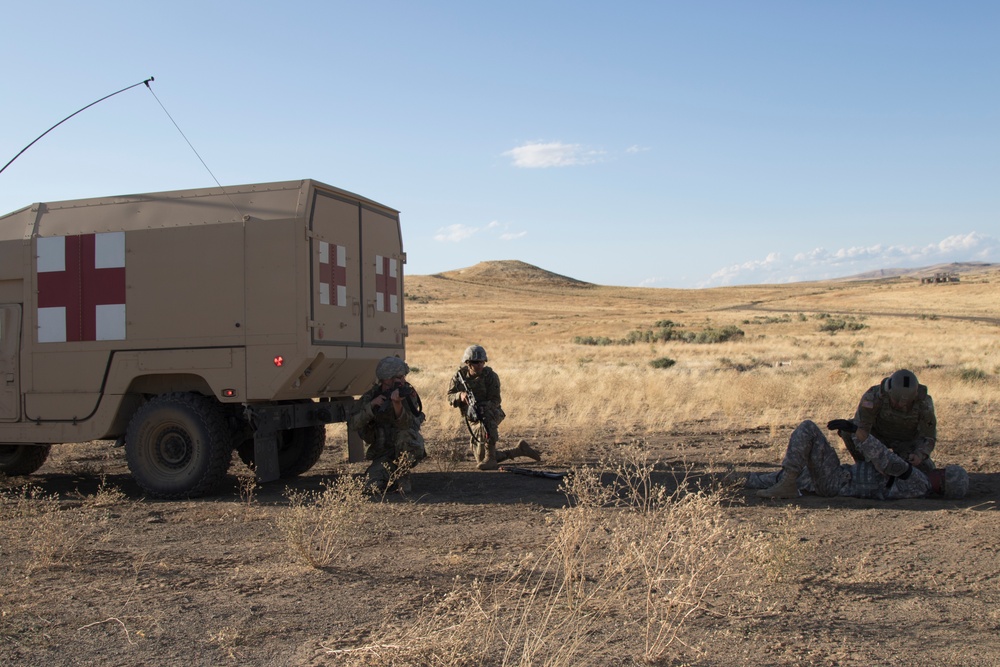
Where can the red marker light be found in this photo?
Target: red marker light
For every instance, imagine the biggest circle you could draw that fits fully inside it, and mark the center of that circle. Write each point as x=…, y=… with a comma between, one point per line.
x=229, y=393
x=279, y=361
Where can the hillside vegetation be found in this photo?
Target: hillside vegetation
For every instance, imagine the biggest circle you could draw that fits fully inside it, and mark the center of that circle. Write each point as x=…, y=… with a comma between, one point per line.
x=574, y=360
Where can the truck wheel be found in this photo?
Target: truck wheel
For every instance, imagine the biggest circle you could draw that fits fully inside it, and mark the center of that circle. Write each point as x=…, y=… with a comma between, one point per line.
x=177, y=446
x=22, y=459
x=298, y=449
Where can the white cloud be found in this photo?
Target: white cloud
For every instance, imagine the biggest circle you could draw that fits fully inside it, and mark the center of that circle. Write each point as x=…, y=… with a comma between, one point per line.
x=455, y=233
x=823, y=264
x=541, y=155
x=496, y=229
x=635, y=148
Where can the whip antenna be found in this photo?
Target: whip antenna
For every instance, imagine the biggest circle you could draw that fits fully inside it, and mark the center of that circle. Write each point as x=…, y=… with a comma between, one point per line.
x=145, y=81
x=237, y=208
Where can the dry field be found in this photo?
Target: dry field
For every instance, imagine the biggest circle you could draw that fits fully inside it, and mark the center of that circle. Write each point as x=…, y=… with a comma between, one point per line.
x=647, y=552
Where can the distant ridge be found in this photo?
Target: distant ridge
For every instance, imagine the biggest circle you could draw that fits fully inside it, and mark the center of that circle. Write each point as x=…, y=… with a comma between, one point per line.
x=515, y=273
x=511, y=272
x=958, y=268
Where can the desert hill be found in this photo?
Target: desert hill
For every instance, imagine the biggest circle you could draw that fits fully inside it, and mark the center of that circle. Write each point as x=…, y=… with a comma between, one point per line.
x=511, y=273
x=515, y=273
x=959, y=269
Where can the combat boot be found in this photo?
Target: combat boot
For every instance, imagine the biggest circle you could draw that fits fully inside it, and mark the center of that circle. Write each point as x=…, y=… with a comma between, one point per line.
x=490, y=461
x=524, y=449
x=786, y=487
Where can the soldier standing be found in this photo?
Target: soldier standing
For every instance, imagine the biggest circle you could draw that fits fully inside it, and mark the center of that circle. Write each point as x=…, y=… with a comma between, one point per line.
x=388, y=418
x=812, y=464
x=476, y=378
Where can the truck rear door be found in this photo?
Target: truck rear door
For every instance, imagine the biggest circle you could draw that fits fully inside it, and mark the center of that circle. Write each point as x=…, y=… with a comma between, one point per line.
x=382, y=279
x=336, y=270
x=357, y=274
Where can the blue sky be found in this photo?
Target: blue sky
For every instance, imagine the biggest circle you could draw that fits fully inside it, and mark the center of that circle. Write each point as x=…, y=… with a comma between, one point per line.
x=671, y=144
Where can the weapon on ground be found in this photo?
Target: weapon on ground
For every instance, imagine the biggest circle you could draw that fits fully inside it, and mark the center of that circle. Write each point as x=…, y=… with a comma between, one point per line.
x=533, y=472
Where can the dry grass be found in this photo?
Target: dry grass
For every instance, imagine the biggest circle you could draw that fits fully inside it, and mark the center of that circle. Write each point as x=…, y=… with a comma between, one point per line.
x=783, y=370
x=625, y=569
x=627, y=549
x=319, y=526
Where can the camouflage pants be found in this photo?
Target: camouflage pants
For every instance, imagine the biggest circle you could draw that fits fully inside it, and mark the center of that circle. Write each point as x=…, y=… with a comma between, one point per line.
x=492, y=416
x=482, y=451
x=809, y=450
x=393, y=454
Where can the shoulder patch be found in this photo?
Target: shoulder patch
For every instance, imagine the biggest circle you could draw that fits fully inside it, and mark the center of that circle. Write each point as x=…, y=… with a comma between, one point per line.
x=867, y=403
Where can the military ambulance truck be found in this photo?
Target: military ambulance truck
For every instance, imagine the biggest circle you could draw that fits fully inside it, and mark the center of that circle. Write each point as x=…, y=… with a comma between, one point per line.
x=190, y=324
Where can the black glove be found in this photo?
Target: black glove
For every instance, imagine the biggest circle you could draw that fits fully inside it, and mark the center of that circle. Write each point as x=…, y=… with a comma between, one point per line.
x=842, y=425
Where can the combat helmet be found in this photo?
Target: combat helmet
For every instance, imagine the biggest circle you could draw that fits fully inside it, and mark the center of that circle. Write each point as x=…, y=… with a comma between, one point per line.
x=390, y=367
x=474, y=353
x=901, y=386
x=956, y=482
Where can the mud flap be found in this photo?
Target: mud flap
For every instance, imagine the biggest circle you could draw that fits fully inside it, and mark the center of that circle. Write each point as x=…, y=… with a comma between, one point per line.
x=355, y=446
x=265, y=455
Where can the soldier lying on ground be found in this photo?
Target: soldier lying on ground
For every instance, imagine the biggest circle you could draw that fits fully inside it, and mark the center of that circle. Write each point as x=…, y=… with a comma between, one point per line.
x=388, y=419
x=812, y=464
x=478, y=385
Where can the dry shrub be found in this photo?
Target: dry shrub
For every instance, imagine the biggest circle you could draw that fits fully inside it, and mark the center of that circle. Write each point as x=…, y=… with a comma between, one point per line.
x=319, y=525
x=47, y=534
x=107, y=495
x=246, y=479
x=627, y=549
x=447, y=453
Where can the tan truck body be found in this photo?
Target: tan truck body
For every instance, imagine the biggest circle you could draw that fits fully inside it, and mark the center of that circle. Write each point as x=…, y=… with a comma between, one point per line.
x=244, y=299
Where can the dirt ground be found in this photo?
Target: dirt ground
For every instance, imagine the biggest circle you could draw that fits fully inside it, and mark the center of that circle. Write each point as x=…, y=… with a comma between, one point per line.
x=211, y=581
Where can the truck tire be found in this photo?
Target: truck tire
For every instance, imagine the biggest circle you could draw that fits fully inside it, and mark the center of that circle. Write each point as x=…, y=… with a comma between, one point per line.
x=177, y=446
x=22, y=459
x=298, y=450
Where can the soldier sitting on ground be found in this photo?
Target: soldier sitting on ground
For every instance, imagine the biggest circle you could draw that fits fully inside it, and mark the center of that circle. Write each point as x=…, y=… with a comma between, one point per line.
x=479, y=380
x=812, y=464
x=388, y=418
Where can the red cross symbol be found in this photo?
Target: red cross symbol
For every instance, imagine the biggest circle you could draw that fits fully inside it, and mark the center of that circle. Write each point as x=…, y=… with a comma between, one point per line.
x=81, y=282
x=386, y=285
x=332, y=274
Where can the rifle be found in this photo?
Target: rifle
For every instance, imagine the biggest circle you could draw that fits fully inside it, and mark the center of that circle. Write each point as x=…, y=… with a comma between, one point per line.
x=407, y=393
x=534, y=472
x=474, y=411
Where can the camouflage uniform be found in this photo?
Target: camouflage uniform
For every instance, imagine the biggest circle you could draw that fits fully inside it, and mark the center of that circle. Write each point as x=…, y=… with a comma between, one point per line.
x=883, y=474
x=389, y=442
x=486, y=388
x=902, y=431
